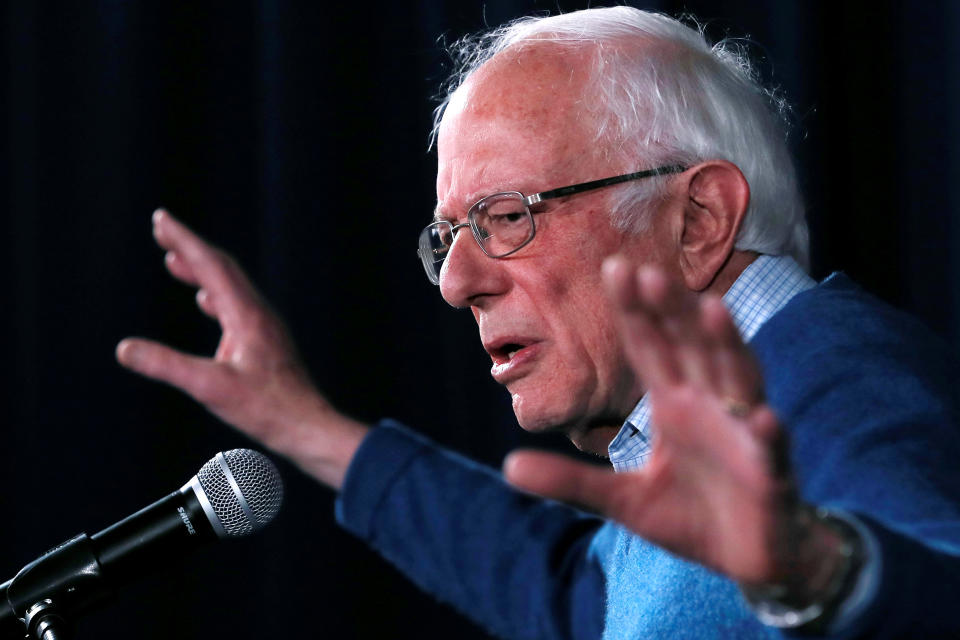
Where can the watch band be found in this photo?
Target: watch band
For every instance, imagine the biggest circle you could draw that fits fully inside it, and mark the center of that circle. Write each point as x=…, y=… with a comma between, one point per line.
x=771, y=605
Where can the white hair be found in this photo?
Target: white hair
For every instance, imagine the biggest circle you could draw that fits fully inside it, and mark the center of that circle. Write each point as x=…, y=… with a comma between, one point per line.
x=680, y=100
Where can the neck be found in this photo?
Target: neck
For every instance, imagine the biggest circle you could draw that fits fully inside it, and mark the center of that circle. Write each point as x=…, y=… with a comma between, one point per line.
x=597, y=438
x=730, y=271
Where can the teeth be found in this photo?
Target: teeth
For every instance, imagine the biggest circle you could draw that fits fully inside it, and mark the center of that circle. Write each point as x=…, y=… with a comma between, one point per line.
x=510, y=354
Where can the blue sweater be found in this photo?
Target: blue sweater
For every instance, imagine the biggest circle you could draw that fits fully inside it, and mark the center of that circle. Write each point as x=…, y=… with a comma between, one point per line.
x=869, y=400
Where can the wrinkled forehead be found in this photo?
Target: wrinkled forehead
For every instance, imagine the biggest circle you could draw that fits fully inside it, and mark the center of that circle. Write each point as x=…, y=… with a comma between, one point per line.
x=537, y=86
x=520, y=122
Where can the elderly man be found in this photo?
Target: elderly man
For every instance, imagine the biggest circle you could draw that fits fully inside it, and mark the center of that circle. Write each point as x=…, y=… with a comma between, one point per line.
x=608, y=187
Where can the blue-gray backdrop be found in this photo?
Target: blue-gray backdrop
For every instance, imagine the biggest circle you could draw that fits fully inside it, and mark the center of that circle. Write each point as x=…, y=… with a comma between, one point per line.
x=294, y=135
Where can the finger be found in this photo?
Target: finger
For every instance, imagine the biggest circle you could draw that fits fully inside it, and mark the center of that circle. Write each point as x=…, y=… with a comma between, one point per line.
x=645, y=343
x=206, y=303
x=178, y=268
x=209, y=267
x=686, y=419
x=678, y=312
x=737, y=376
x=201, y=378
x=561, y=478
x=765, y=426
x=621, y=286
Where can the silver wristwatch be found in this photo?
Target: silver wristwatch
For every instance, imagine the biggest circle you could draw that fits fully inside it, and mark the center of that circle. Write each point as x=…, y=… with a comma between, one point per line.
x=773, y=609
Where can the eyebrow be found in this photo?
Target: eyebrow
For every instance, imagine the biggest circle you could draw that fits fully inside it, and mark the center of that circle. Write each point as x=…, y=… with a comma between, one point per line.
x=539, y=206
x=473, y=199
x=440, y=217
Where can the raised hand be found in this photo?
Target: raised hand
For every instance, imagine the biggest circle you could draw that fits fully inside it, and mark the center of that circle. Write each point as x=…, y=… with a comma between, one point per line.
x=255, y=381
x=717, y=488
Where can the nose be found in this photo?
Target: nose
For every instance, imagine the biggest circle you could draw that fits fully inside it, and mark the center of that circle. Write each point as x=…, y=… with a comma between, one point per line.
x=469, y=276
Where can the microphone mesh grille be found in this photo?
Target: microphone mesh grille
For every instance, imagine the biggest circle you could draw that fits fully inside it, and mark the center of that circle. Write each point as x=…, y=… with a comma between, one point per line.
x=259, y=483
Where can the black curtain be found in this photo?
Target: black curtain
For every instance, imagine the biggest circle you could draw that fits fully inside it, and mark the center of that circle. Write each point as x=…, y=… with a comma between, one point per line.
x=294, y=134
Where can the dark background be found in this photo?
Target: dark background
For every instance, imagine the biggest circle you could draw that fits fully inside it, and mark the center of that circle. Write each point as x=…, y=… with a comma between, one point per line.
x=294, y=135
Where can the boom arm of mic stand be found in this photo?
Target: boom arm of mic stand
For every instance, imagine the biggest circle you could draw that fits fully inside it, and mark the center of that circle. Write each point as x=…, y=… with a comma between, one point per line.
x=69, y=577
x=11, y=626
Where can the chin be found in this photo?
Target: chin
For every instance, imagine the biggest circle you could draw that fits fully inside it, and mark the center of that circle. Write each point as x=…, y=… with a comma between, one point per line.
x=588, y=435
x=549, y=401
x=536, y=420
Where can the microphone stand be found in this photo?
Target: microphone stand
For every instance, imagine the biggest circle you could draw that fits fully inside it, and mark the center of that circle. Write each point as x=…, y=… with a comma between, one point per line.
x=66, y=579
x=44, y=622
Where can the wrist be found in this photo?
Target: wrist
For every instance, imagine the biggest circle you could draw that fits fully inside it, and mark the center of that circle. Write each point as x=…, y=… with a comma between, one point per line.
x=822, y=567
x=327, y=447
x=317, y=438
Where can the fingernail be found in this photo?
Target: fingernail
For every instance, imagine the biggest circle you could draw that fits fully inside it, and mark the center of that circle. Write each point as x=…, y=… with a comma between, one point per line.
x=125, y=352
x=158, y=215
x=509, y=465
x=649, y=275
x=613, y=264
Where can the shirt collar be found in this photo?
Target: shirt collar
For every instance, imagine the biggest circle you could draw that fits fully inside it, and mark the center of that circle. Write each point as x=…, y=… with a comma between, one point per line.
x=763, y=288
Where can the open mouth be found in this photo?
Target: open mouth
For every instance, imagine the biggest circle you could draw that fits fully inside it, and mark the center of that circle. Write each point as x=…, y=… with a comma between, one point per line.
x=510, y=349
x=505, y=352
x=513, y=357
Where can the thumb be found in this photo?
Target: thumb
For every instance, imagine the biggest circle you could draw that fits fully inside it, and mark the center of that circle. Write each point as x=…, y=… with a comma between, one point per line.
x=561, y=478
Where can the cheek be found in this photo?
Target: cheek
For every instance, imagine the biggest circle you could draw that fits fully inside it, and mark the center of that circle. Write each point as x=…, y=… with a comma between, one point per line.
x=601, y=340
x=586, y=328
x=593, y=336
x=567, y=290
x=574, y=296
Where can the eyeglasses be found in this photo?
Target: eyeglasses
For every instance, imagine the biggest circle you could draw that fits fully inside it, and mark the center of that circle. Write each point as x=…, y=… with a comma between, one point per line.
x=502, y=223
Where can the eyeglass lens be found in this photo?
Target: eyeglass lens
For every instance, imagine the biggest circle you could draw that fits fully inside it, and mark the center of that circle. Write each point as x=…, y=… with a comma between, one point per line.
x=501, y=224
x=434, y=243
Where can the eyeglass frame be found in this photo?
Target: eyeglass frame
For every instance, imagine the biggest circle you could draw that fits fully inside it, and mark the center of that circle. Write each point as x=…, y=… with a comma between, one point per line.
x=531, y=200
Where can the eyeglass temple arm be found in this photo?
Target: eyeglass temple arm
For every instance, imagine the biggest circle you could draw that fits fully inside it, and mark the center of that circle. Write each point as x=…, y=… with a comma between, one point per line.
x=605, y=182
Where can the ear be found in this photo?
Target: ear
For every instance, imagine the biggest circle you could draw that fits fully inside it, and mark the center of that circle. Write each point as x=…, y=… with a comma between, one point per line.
x=716, y=202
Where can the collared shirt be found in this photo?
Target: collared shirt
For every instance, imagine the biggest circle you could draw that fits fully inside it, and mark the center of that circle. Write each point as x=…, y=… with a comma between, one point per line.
x=762, y=289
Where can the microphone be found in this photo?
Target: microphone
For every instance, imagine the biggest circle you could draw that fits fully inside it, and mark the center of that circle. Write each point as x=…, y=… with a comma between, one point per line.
x=234, y=494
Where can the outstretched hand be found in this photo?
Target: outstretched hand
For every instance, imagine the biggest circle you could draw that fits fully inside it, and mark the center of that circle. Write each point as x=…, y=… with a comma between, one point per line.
x=255, y=380
x=717, y=488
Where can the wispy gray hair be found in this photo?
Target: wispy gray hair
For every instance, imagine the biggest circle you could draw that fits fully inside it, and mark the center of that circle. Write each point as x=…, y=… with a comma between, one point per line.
x=664, y=96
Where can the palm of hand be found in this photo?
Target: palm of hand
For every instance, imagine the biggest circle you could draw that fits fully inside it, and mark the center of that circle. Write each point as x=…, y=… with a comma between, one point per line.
x=710, y=491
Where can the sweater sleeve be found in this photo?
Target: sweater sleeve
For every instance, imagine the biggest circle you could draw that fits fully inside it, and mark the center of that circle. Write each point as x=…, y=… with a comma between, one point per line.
x=518, y=566
x=869, y=399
